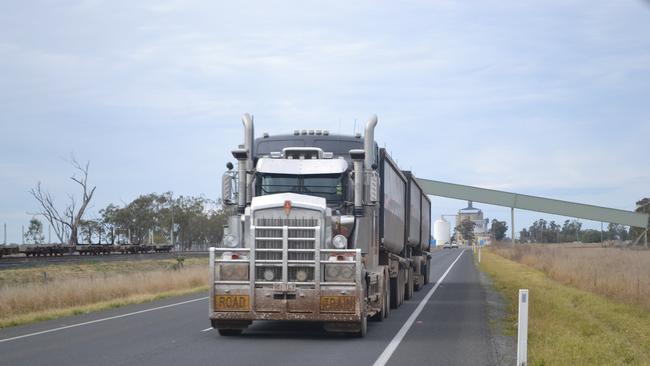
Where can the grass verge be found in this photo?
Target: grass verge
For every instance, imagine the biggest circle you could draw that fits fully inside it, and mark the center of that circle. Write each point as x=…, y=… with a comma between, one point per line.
x=569, y=326
x=26, y=297
x=85, y=309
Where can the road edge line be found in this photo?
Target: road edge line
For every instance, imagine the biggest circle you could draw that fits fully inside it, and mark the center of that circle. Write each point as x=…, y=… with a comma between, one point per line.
x=392, y=346
x=100, y=320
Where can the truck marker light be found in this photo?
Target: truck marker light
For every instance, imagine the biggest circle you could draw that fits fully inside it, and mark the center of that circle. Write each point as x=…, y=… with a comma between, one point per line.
x=287, y=207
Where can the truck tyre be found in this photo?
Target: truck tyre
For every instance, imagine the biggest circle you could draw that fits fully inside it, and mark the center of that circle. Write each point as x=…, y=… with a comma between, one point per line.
x=230, y=332
x=385, y=302
x=401, y=283
x=427, y=270
x=394, y=292
x=363, y=326
x=408, y=292
x=387, y=295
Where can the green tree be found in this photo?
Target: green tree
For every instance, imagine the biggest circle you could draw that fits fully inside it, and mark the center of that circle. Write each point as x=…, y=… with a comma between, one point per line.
x=570, y=231
x=466, y=229
x=498, y=229
x=617, y=232
x=642, y=206
x=34, y=232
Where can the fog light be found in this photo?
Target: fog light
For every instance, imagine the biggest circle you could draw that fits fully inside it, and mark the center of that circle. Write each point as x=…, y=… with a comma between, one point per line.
x=230, y=241
x=339, y=272
x=233, y=272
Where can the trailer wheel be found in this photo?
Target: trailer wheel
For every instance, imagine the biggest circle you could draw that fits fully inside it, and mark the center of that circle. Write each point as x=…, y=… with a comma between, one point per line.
x=427, y=270
x=397, y=290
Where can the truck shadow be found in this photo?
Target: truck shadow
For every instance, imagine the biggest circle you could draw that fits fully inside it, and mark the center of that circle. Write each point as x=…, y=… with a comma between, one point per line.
x=292, y=330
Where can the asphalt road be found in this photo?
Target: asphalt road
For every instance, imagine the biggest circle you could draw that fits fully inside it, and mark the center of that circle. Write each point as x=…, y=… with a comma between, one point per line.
x=449, y=328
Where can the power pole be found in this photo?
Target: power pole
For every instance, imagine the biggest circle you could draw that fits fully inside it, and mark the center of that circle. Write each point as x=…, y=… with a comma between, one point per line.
x=601, y=232
x=23, y=231
x=5, y=233
x=512, y=223
x=172, y=231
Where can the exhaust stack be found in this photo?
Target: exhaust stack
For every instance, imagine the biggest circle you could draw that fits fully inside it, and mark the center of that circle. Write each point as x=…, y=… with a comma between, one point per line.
x=249, y=138
x=357, y=156
x=369, y=141
x=242, y=156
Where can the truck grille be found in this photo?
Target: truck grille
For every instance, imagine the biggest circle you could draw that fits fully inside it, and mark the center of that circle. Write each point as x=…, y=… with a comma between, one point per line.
x=275, y=254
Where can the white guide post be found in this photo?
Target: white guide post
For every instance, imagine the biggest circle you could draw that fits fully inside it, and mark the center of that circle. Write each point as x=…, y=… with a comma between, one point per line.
x=522, y=329
x=479, y=254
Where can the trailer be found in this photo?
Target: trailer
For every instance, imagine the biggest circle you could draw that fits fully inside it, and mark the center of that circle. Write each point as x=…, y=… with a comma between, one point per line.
x=38, y=250
x=8, y=250
x=322, y=227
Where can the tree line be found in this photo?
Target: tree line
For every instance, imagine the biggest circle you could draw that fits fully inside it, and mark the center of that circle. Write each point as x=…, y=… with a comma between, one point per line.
x=149, y=218
x=186, y=221
x=542, y=231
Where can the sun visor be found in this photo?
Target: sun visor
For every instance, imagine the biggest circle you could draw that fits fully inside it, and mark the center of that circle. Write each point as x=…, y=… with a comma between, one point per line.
x=301, y=167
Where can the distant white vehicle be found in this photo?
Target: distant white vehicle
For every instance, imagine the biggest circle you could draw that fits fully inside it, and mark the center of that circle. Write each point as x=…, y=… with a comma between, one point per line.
x=454, y=244
x=446, y=246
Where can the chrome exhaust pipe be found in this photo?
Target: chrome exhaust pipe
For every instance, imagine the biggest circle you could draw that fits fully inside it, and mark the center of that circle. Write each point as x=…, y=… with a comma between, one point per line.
x=249, y=139
x=369, y=141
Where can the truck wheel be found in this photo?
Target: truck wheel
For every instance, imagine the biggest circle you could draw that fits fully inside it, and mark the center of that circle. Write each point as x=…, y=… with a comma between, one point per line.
x=387, y=296
x=363, y=327
x=383, y=313
x=427, y=270
x=230, y=332
x=394, y=292
x=408, y=288
x=401, y=280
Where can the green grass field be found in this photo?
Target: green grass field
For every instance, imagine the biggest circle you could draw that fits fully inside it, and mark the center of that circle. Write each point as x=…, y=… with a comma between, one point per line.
x=568, y=326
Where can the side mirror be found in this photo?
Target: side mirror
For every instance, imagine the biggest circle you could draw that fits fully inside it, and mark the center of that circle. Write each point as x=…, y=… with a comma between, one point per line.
x=228, y=186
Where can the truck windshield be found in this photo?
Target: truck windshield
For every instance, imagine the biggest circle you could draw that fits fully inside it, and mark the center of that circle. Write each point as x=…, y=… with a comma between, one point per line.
x=331, y=187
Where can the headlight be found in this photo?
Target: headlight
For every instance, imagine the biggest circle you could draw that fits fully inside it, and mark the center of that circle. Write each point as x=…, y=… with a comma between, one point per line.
x=301, y=275
x=230, y=241
x=339, y=272
x=340, y=242
x=269, y=274
x=234, y=272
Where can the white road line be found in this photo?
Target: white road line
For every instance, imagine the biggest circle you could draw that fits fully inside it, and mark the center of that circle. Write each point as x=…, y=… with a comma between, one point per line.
x=100, y=320
x=207, y=329
x=392, y=346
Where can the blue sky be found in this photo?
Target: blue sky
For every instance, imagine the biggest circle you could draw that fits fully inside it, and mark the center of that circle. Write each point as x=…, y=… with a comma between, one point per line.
x=543, y=98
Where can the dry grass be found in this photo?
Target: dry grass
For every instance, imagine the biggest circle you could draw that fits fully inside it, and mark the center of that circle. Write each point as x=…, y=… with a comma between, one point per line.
x=64, y=293
x=569, y=326
x=89, y=269
x=619, y=274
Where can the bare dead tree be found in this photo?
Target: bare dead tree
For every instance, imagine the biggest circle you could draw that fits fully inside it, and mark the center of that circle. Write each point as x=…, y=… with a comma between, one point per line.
x=68, y=220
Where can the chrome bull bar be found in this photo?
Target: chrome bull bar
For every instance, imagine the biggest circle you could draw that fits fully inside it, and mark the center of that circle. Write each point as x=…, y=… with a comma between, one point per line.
x=285, y=284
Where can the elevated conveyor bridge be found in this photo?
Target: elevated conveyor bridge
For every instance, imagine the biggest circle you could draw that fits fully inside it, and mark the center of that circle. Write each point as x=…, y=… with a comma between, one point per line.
x=538, y=204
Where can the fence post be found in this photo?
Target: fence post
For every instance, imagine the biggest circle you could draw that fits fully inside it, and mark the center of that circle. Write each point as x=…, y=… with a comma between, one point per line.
x=522, y=329
x=479, y=254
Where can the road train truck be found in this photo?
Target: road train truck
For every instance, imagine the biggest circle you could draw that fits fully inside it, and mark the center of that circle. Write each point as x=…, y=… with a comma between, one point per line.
x=321, y=227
